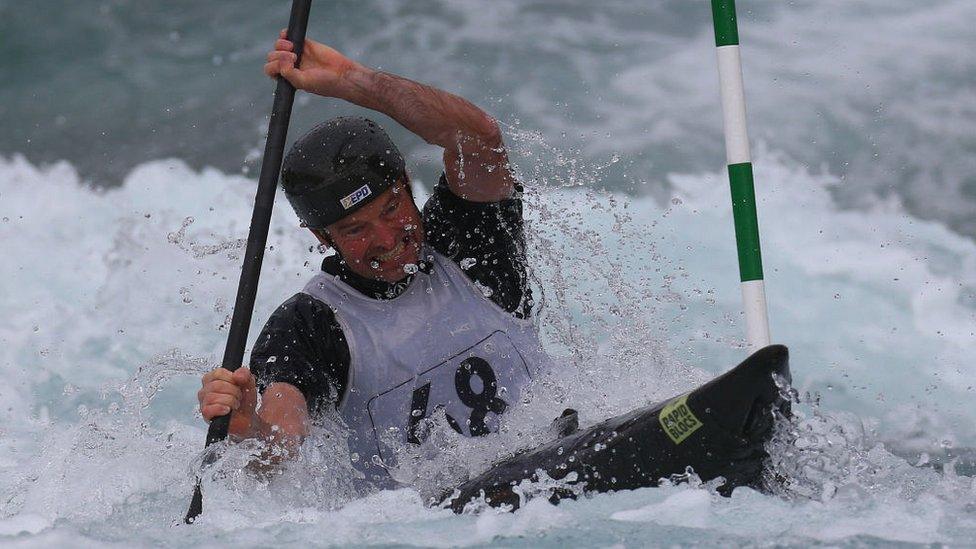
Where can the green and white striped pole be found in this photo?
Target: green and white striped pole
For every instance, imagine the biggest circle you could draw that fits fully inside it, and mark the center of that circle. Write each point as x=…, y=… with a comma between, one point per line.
x=740, y=173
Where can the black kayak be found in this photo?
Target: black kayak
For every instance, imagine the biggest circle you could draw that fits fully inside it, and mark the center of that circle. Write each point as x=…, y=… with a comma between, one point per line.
x=718, y=429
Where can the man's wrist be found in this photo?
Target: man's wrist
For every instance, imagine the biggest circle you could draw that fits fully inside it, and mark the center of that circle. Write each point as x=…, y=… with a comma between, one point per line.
x=242, y=428
x=356, y=86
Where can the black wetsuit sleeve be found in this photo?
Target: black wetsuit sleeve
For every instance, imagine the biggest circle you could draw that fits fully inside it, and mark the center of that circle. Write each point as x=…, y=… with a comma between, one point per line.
x=487, y=240
x=303, y=345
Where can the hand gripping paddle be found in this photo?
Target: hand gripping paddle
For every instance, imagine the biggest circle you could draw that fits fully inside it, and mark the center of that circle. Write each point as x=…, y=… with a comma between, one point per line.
x=257, y=237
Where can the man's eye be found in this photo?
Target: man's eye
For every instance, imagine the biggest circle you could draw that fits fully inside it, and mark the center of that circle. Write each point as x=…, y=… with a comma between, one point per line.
x=392, y=207
x=352, y=231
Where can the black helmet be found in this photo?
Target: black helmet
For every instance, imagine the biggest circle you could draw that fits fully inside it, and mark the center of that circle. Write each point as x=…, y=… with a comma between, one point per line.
x=337, y=168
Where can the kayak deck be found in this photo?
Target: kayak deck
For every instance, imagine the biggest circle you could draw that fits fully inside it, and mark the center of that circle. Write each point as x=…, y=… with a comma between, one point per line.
x=718, y=429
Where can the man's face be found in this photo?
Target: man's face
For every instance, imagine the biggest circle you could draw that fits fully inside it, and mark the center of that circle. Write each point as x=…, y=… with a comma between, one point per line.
x=380, y=238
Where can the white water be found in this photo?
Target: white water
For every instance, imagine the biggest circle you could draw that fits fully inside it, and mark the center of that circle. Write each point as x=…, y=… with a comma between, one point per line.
x=114, y=302
x=109, y=313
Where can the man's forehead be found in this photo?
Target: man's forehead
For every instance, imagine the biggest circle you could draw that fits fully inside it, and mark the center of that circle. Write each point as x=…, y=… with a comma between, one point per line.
x=370, y=210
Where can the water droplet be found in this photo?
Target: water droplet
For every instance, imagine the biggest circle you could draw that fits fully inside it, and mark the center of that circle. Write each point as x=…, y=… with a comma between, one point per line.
x=410, y=268
x=467, y=263
x=485, y=290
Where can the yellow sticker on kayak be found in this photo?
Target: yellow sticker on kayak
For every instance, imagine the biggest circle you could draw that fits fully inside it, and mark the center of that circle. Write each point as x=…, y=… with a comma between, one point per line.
x=678, y=421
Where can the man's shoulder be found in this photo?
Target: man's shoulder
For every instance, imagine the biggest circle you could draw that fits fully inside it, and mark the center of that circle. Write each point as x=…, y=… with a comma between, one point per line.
x=452, y=223
x=444, y=202
x=486, y=239
x=304, y=325
x=301, y=308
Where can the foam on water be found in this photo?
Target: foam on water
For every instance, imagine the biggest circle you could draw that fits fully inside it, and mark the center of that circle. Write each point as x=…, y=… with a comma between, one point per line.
x=117, y=301
x=877, y=90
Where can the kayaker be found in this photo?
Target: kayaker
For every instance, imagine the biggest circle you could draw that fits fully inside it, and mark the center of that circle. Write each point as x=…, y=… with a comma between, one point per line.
x=415, y=311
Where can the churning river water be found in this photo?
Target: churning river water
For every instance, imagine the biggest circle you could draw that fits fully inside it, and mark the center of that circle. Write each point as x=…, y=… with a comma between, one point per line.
x=130, y=143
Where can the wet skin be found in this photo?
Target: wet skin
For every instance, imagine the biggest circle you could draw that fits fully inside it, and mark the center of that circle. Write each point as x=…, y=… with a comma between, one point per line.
x=380, y=239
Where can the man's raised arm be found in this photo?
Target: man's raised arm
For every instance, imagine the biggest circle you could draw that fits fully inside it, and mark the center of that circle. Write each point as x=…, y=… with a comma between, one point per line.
x=474, y=154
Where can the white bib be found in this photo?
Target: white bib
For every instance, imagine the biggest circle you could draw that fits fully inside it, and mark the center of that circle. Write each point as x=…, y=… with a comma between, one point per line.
x=439, y=344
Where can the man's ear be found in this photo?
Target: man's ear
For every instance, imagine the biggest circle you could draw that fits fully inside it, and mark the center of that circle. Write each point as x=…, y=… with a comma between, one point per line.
x=406, y=179
x=409, y=187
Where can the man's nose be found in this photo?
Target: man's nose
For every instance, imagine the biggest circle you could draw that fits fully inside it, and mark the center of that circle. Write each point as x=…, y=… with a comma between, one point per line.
x=386, y=236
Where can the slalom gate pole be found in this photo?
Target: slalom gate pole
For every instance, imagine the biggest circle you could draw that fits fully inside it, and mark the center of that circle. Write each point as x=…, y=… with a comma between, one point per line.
x=740, y=173
x=257, y=237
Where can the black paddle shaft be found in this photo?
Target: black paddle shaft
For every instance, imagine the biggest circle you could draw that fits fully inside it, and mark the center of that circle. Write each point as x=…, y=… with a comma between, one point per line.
x=257, y=237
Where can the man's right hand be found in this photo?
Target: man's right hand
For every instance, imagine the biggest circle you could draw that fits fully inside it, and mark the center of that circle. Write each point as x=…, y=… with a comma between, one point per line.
x=224, y=392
